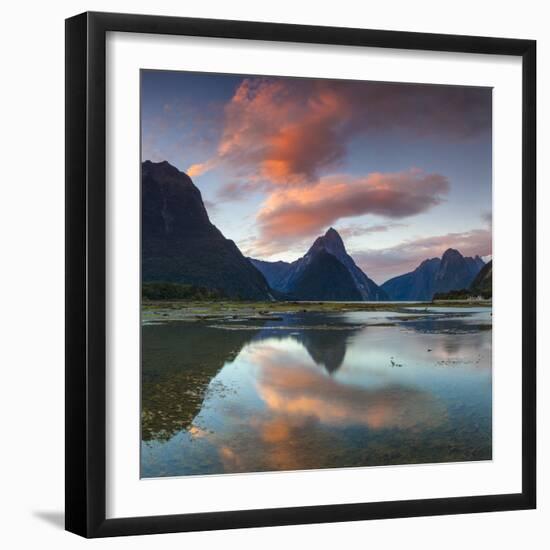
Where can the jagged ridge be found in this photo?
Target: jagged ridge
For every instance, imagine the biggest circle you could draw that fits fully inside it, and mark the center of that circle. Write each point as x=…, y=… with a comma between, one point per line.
x=289, y=278
x=452, y=272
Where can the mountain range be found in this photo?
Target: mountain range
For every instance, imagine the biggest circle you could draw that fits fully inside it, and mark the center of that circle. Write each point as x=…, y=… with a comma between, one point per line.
x=326, y=272
x=437, y=275
x=181, y=245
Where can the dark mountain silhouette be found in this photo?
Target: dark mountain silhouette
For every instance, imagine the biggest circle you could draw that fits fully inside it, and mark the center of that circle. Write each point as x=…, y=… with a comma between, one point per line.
x=416, y=285
x=452, y=272
x=317, y=276
x=455, y=271
x=274, y=272
x=332, y=243
x=483, y=283
x=326, y=347
x=181, y=245
x=323, y=277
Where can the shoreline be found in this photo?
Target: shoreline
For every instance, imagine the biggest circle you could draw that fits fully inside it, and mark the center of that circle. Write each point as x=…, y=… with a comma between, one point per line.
x=219, y=310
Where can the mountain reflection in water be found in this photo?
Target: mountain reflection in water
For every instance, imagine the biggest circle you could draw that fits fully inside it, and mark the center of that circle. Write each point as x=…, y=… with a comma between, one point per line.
x=315, y=391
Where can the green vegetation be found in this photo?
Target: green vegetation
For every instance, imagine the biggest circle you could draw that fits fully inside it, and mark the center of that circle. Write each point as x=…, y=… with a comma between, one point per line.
x=464, y=294
x=483, y=283
x=481, y=287
x=177, y=291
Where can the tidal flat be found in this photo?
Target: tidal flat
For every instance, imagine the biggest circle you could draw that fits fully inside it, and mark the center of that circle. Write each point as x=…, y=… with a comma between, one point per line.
x=194, y=311
x=231, y=387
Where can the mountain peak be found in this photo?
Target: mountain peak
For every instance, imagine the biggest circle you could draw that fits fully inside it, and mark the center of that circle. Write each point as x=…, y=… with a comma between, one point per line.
x=452, y=272
x=450, y=253
x=181, y=245
x=331, y=242
x=165, y=163
x=332, y=236
x=316, y=274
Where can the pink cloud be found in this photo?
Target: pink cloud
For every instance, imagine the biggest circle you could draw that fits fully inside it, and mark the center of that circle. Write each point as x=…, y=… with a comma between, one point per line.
x=288, y=131
x=381, y=265
x=291, y=213
x=302, y=392
x=283, y=136
x=284, y=129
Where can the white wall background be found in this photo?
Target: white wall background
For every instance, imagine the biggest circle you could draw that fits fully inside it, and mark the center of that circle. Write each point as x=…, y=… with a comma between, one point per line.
x=32, y=271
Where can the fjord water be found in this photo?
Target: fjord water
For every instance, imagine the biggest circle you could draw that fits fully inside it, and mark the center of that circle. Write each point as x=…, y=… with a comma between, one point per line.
x=316, y=390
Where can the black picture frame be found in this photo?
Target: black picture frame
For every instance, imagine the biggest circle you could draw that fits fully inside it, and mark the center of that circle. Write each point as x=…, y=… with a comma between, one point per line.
x=86, y=269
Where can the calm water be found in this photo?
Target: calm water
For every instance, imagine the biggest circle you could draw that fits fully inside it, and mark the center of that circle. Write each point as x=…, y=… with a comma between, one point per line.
x=316, y=391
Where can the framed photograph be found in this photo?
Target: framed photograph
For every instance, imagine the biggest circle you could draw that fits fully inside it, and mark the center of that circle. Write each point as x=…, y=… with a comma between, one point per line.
x=281, y=301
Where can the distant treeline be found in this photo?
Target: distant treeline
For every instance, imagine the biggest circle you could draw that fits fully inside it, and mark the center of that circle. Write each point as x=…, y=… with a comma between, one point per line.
x=178, y=291
x=463, y=294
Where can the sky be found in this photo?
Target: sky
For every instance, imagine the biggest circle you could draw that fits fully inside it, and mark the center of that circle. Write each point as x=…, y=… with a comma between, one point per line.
x=402, y=171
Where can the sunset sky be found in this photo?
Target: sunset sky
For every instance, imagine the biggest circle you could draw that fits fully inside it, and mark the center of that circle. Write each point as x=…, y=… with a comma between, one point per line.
x=402, y=171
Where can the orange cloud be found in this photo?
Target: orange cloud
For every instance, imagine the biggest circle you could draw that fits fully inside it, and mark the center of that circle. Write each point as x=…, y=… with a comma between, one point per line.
x=287, y=131
x=294, y=212
x=198, y=169
x=284, y=135
x=303, y=393
x=274, y=431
